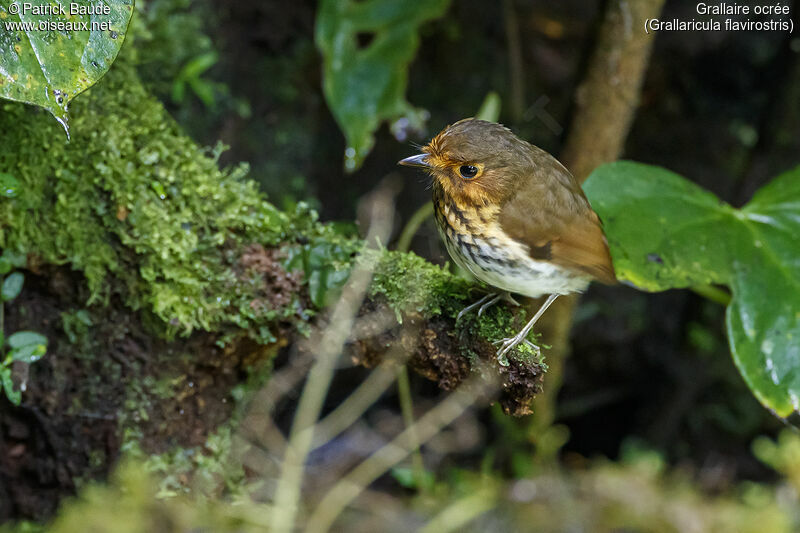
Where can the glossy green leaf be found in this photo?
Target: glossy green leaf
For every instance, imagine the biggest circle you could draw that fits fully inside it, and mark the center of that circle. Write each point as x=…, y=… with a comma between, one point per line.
x=52, y=51
x=13, y=395
x=325, y=266
x=665, y=232
x=9, y=185
x=12, y=286
x=26, y=338
x=28, y=354
x=367, y=46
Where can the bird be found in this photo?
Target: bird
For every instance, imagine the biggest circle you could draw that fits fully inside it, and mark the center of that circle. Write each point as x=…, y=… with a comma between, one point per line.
x=513, y=216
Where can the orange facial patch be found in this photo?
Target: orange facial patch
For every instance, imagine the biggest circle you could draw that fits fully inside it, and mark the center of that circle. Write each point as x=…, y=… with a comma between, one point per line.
x=465, y=192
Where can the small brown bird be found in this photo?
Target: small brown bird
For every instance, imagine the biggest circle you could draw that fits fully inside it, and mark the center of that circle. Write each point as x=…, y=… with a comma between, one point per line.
x=513, y=216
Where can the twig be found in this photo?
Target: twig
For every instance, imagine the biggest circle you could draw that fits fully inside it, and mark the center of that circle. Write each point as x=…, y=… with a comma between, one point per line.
x=356, y=403
x=407, y=407
x=461, y=512
x=349, y=487
x=604, y=109
x=287, y=494
x=412, y=226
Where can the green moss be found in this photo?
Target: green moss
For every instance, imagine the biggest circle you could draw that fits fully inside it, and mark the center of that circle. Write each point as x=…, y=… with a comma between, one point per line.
x=203, y=471
x=411, y=284
x=136, y=206
x=147, y=215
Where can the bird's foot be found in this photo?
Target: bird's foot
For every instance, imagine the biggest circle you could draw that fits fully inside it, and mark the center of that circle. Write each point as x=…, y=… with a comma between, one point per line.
x=508, y=344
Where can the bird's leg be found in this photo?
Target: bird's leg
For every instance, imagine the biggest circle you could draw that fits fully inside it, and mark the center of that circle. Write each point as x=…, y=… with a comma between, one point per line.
x=488, y=301
x=509, y=343
x=510, y=299
x=479, y=303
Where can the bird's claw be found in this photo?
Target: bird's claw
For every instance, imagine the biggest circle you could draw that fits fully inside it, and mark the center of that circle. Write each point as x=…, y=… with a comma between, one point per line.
x=509, y=344
x=506, y=346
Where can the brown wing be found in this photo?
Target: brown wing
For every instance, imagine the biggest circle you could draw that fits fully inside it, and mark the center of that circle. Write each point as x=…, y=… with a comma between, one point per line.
x=550, y=213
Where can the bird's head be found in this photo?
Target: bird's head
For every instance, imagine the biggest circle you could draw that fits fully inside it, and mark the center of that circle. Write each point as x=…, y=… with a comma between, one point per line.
x=475, y=162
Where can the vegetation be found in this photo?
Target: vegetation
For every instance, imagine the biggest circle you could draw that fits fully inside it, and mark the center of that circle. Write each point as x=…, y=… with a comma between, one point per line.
x=23, y=346
x=222, y=360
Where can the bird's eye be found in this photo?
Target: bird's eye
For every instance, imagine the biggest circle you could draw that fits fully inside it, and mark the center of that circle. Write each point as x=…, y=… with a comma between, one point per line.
x=468, y=171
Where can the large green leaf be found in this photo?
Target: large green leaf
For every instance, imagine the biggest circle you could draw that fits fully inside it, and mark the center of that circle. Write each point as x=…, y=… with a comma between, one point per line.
x=665, y=232
x=365, y=83
x=51, y=51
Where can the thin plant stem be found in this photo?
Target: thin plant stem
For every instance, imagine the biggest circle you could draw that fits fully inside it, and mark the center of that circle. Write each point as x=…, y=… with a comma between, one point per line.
x=287, y=492
x=715, y=294
x=515, y=62
x=461, y=512
x=407, y=407
x=351, y=485
x=356, y=404
x=412, y=226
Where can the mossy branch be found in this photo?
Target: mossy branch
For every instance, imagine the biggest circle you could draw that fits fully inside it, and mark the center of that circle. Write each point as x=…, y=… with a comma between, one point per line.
x=149, y=219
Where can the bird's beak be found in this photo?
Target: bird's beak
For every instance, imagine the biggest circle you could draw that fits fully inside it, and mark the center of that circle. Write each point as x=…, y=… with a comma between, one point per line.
x=420, y=160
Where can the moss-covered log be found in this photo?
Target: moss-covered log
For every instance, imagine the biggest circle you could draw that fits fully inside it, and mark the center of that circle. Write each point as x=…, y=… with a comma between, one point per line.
x=161, y=281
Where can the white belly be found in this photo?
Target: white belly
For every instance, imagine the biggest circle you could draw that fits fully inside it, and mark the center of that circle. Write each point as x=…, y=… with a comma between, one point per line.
x=507, y=266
